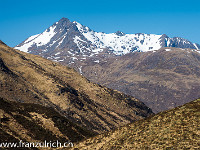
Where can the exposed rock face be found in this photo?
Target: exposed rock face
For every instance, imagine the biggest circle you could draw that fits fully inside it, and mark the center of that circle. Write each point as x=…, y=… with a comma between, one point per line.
x=119, y=33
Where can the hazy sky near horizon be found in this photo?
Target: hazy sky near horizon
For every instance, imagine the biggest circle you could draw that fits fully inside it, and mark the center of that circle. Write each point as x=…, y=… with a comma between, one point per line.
x=20, y=19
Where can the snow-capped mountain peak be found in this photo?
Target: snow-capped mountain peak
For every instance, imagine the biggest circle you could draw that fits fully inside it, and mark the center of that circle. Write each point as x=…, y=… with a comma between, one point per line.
x=76, y=41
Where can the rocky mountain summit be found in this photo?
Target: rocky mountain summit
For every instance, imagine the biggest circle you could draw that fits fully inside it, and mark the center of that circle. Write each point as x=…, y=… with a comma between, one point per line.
x=71, y=42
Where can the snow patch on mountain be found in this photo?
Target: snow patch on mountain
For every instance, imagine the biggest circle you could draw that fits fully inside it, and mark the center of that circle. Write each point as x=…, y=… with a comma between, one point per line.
x=196, y=46
x=121, y=44
x=81, y=40
x=167, y=49
x=32, y=38
x=38, y=40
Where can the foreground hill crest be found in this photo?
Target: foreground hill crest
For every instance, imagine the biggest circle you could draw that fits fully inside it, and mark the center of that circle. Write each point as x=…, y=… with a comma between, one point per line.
x=173, y=129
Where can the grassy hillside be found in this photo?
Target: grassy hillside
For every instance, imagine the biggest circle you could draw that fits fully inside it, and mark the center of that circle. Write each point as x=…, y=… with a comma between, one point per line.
x=28, y=78
x=178, y=128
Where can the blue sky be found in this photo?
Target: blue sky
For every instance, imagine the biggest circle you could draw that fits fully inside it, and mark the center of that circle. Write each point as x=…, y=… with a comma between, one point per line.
x=20, y=19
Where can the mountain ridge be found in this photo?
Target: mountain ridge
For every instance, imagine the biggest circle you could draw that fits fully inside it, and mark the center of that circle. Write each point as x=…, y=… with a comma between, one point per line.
x=84, y=49
x=72, y=39
x=162, y=79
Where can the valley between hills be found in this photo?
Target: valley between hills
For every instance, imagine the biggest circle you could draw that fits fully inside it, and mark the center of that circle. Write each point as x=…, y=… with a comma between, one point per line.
x=160, y=71
x=43, y=100
x=49, y=97
x=101, y=91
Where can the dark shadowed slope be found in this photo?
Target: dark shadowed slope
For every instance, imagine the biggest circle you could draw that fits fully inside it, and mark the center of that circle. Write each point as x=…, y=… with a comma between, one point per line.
x=36, y=123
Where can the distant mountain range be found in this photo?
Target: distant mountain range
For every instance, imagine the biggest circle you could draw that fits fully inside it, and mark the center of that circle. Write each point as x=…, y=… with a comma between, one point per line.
x=130, y=63
x=67, y=41
x=162, y=79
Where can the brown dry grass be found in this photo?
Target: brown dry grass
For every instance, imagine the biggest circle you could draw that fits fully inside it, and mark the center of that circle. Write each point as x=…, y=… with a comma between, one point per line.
x=32, y=79
x=36, y=123
x=174, y=129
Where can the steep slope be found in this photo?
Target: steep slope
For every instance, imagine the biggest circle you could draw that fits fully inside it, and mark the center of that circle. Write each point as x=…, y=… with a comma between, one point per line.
x=31, y=79
x=72, y=43
x=162, y=79
x=174, y=129
x=36, y=123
